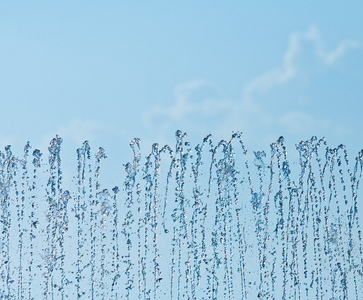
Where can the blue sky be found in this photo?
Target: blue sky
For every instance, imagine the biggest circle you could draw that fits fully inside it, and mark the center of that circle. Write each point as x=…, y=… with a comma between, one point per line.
x=109, y=71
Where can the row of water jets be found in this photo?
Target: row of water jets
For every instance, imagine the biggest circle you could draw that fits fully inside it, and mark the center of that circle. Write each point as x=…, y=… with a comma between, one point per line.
x=215, y=221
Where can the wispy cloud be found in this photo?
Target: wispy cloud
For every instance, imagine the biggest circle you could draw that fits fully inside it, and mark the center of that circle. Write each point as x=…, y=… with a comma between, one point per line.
x=181, y=106
x=329, y=57
x=247, y=113
x=277, y=76
x=162, y=119
x=283, y=74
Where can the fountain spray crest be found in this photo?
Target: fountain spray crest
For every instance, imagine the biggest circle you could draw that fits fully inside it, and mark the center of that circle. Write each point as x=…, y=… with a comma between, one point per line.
x=213, y=221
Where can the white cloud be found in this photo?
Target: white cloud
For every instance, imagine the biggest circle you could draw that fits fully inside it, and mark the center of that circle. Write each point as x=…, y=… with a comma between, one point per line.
x=276, y=76
x=161, y=119
x=248, y=113
x=328, y=57
x=286, y=72
x=181, y=106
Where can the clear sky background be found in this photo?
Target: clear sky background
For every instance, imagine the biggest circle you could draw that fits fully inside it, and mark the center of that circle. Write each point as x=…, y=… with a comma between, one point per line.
x=109, y=71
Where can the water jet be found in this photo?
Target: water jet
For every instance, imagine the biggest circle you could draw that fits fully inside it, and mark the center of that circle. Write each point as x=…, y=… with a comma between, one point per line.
x=206, y=221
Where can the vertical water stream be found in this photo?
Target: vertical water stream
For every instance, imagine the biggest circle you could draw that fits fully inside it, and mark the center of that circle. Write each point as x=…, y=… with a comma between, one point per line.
x=209, y=221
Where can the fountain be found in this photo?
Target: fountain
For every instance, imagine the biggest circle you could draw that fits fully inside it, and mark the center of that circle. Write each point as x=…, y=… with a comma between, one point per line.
x=214, y=221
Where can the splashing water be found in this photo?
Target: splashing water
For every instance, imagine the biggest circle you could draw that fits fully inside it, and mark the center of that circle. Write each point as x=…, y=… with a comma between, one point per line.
x=209, y=222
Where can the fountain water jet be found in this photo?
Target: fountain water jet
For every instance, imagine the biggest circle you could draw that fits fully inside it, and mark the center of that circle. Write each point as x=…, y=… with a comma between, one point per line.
x=205, y=222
